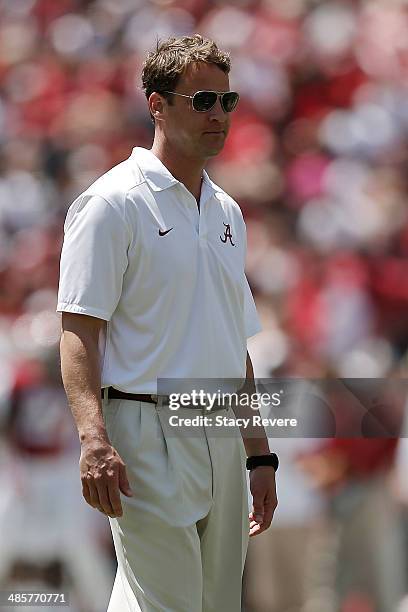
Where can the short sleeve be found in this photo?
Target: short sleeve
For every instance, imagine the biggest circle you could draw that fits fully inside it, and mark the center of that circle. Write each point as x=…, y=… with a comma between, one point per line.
x=93, y=258
x=252, y=323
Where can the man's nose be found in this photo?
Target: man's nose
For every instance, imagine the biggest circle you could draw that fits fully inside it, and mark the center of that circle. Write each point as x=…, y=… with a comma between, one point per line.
x=218, y=113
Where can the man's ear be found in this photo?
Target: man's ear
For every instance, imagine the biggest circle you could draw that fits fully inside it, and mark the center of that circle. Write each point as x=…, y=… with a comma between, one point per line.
x=156, y=105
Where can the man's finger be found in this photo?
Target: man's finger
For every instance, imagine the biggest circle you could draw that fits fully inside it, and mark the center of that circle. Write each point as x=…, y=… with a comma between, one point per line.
x=254, y=528
x=257, y=526
x=114, y=497
x=268, y=516
x=104, y=496
x=258, y=510
x=124, y=485
x=85, y=492
x=93, y=494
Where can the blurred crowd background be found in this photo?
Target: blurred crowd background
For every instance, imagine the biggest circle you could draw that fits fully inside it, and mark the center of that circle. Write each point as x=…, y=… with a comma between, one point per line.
x=317, y=158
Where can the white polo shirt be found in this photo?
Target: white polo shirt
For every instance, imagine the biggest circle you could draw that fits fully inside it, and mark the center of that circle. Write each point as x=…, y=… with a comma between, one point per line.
x=168, y=279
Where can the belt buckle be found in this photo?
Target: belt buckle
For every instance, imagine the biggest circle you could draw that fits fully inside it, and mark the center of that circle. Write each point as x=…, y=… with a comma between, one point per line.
x=155, y=398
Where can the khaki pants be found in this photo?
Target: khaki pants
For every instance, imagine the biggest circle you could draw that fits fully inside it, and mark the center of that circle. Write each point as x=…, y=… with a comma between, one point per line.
x=181, y=542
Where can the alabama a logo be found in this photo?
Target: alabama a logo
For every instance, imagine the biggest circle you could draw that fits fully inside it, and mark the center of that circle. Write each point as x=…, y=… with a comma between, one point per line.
x=227, y=234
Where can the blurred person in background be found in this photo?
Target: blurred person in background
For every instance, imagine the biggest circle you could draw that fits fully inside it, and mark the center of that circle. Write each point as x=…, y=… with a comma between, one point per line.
x=45, y=522
x=337, y=542
x=362, y=559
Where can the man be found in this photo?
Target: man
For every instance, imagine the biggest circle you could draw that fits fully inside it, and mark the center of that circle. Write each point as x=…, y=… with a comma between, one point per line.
x=152, y=286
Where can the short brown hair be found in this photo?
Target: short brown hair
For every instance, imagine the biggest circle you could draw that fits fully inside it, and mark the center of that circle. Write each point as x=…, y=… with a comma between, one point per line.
x=164, y=66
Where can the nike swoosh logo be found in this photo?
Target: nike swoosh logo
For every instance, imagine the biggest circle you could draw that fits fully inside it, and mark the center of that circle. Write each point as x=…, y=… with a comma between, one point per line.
x=163, y=233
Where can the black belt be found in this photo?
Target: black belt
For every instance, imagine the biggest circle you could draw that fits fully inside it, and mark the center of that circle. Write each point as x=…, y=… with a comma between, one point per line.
x=113, y=393
x=136, y=397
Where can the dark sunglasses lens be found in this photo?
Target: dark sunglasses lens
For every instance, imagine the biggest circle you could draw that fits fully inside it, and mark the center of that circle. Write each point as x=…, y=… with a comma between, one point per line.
x=204, y=100
x=229, y=101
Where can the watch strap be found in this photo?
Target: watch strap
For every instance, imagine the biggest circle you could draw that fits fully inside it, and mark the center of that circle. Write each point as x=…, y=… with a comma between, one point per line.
x=256, y=460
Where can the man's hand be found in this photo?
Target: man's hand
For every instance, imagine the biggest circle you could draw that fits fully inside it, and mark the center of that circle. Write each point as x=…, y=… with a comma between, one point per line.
x=263, y=490
x=103, y=475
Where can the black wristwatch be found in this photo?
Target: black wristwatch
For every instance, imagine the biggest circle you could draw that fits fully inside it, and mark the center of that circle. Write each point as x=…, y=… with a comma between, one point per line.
x=257, y=460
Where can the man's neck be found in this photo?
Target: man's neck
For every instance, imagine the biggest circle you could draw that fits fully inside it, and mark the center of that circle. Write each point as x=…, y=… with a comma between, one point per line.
x=186, y=170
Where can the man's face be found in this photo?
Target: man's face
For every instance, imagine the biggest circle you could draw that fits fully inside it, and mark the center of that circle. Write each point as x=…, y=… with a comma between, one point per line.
x=194, y=134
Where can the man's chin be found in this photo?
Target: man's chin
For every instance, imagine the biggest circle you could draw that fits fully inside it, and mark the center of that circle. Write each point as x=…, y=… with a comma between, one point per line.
x=214, y=150
x=212, y=144
x=207, y=150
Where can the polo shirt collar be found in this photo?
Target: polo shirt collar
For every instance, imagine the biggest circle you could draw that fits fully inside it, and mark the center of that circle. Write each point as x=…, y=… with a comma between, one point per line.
x=210, y=183
x=157, y=175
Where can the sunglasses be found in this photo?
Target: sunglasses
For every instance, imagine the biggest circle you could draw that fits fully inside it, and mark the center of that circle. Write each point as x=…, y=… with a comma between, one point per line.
x=204, y=101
